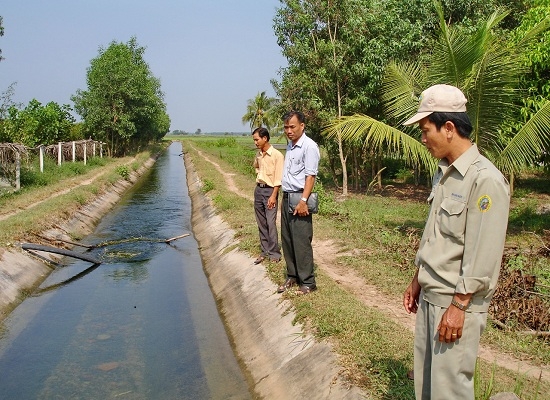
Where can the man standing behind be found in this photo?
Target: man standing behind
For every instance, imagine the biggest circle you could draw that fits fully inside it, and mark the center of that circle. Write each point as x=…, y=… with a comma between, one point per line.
x=460, y=252
x=269, y=169
x=300, y=169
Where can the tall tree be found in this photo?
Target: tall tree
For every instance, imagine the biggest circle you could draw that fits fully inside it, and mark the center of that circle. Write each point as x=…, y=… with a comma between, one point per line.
x=124, y=105
x=317, y=38
x=261, y=111
x=486, y=68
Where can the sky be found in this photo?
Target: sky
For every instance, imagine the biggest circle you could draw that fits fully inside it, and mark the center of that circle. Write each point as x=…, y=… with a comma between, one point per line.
x=211, y=56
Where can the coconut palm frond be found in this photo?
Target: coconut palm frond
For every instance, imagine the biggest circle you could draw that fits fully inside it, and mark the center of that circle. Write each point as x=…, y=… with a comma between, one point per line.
x=381, y=137
x=492, y=94
x=444, y=66
x=457, y=52
x=402, y=85
x=528, y=144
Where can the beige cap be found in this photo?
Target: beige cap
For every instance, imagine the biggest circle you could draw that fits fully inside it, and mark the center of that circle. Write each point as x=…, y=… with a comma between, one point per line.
x=443, y=98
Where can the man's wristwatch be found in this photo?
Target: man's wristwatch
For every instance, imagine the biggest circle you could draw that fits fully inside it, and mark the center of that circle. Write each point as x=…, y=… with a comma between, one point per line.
x=461, y=307
x=304, y=199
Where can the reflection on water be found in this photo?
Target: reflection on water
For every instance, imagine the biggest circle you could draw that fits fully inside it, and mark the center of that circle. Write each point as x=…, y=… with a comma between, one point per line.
x=137, y=273
x=141, y=325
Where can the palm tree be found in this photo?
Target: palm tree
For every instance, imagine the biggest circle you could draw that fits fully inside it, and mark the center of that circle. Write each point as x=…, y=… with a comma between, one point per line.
x=260, y=112
x=486, y=69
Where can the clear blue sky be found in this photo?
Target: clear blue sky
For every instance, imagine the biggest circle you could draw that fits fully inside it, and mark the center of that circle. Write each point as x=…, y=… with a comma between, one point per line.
x=210, y=55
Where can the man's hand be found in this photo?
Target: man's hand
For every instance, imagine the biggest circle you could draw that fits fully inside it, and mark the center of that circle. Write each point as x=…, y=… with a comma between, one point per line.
x=412, y=295
x=271, y=202
x=450, y=326
x=301, y=209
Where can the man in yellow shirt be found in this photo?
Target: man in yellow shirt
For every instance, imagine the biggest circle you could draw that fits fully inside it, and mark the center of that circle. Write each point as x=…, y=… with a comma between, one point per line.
x=269, y=171
x=460, y=253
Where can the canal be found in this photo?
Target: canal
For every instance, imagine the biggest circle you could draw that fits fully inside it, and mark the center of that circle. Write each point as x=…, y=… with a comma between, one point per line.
x=143, y=324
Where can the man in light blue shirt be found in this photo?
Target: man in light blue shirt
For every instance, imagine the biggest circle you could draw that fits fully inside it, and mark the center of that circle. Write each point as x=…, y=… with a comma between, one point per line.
x=299, y=172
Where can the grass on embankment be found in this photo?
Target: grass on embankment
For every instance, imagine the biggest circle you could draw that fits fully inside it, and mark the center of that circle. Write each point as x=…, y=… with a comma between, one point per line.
x=384, y=233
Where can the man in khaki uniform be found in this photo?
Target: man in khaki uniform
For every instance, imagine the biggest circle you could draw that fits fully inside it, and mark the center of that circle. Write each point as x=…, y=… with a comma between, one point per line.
x=269, y=172
x=460, y=252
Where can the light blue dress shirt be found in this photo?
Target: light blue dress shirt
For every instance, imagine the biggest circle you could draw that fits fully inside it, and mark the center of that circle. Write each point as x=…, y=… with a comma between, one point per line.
x=301, y=160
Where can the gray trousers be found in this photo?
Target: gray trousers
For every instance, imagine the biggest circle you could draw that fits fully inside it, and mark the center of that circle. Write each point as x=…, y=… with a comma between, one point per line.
x=296, y=237
x=266, y=220
x=445, y=370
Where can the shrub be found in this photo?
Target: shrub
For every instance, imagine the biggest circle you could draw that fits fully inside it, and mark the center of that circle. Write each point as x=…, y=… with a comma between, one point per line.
x=123, y=171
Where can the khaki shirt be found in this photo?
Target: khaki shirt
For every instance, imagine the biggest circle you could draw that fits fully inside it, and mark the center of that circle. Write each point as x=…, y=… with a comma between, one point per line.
x=463, y=240
x=269, y=167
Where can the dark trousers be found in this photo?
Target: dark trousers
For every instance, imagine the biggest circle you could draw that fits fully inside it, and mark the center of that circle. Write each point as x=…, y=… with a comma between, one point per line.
x=266, y=220
x=296, y=237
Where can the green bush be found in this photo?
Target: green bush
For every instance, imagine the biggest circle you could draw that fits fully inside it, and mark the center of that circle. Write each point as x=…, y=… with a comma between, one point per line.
x=207, y=186
x=327, y=204
x=33, y=177
x=123, y=171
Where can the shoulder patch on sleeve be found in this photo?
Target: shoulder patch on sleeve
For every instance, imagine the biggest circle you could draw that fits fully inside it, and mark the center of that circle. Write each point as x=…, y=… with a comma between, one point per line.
x=484, y=203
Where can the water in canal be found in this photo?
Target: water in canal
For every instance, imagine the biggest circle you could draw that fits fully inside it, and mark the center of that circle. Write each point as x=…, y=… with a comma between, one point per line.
x=141, y=325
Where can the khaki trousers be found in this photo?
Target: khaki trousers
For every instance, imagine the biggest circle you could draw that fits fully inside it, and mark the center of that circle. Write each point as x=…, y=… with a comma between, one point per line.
x=445, y=371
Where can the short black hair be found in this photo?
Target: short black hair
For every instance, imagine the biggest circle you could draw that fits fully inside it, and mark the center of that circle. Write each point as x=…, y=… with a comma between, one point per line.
x=262, y=132
x=459, y=119
x=298, y=114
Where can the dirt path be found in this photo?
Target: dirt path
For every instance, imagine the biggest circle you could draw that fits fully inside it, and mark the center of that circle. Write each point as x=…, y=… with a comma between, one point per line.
x=325, y=255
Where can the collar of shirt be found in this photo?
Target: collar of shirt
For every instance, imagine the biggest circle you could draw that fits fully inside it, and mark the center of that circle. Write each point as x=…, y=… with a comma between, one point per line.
x=268, y=151
x=463, y=162
x=299, y=143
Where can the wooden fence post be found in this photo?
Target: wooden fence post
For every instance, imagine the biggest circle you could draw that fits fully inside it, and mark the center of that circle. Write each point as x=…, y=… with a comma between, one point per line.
x=74, y=151
x=85, y=153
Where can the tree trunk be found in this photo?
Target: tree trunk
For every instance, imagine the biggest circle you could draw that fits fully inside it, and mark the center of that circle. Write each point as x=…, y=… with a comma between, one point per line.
x=332, y=169
x=343, y=162
x=332, y=36
x=379, y=167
